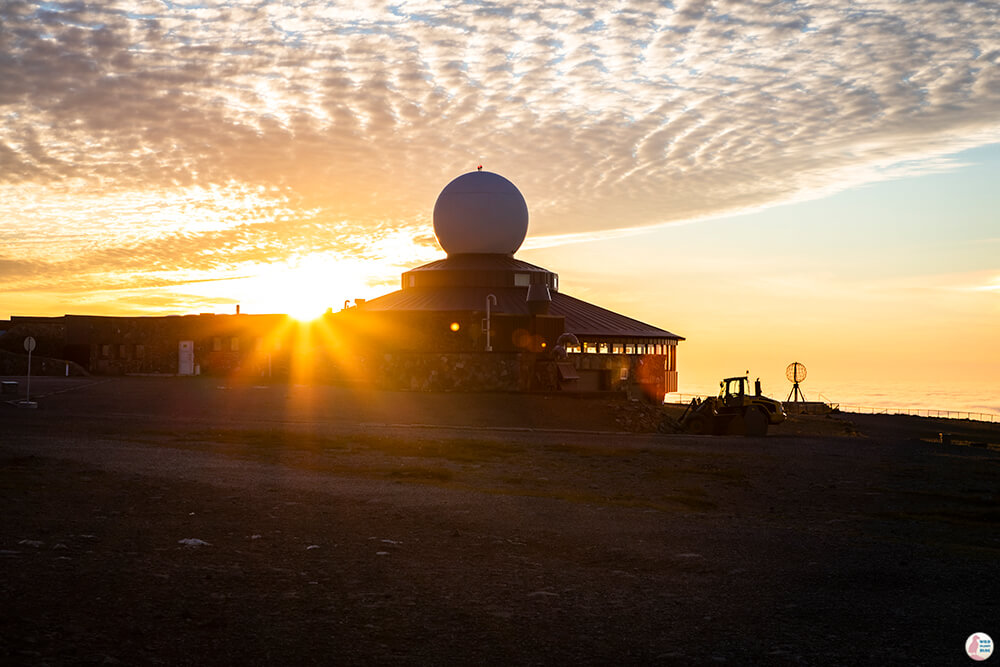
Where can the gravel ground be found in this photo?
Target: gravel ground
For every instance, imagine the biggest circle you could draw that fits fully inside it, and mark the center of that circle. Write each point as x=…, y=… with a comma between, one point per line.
x=190, y=521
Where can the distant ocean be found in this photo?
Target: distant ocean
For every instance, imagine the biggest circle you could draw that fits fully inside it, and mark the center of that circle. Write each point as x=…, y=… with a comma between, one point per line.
x=983, y=399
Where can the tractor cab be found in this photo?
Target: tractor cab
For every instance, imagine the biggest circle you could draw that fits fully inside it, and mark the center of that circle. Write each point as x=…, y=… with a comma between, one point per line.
x=735, y=392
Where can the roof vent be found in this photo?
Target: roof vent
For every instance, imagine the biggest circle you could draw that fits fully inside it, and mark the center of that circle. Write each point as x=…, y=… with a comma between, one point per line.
x=539, y=299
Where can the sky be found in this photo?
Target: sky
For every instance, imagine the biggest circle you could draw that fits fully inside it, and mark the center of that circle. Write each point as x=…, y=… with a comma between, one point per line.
x=774, y=181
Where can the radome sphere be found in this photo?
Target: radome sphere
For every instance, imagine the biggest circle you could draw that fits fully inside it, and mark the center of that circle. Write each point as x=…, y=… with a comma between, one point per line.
x=480, y=212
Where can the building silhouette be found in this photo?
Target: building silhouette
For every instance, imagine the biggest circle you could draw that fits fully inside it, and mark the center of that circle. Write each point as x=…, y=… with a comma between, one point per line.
x=478, y=320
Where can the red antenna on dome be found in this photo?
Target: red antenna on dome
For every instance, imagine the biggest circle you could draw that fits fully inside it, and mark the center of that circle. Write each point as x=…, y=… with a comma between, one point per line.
x=479, y=168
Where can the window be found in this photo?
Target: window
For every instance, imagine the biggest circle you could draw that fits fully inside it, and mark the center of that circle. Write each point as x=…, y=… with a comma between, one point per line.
x=217, y=344
x=617, y=348
x=629, y=348
x=602, y=348
x=140, y=351
x=659, y=349
x=623, y=374
x=234, y=344
x=105, y=350
x=522, y=279
x=555, y=283
x=590, y=348
x=122, y=352
x=413, y=280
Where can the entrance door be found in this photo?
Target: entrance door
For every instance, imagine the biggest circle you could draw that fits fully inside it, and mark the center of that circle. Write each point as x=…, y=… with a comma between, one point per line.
x=185, y=359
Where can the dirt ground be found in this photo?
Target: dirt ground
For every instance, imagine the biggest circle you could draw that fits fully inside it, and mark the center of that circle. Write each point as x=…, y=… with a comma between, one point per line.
x=192, y=521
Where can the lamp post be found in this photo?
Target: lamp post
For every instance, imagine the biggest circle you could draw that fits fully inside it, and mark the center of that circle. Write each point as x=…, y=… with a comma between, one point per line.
x=490, y=298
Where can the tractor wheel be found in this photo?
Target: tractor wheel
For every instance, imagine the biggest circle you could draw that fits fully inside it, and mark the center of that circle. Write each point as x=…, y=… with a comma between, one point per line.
x=699, y=425
x=756, y=423
x=736, y=426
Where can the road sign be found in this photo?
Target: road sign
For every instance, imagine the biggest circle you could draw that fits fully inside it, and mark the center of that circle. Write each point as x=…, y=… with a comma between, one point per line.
x=29, y=344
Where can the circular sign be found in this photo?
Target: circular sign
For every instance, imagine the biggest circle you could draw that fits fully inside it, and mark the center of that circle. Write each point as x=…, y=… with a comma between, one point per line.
x=979, y=646
x=29, y=343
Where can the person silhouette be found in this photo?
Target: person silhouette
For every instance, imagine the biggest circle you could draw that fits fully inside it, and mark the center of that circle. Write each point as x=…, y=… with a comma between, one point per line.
x=756, y=387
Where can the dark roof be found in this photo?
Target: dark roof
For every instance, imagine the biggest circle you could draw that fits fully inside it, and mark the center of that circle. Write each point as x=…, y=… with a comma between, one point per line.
x=582, y=318
x=479, y=262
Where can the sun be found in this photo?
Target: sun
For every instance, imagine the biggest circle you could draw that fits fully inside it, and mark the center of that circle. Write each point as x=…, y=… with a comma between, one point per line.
x=304, y=312
x=305, y=287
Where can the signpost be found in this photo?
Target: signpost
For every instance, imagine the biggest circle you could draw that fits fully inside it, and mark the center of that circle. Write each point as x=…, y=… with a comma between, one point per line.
x=29, y=345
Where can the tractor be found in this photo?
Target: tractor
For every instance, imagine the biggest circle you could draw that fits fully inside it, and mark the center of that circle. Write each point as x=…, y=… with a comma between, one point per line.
x=734, y=412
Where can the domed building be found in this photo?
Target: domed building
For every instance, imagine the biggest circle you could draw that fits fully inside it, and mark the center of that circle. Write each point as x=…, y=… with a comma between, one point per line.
x=480, y=319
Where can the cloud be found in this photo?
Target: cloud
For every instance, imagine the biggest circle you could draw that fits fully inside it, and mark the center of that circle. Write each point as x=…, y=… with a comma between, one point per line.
x=329, y=125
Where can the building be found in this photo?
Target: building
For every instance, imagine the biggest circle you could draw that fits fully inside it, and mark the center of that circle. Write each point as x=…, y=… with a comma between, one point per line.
x=478, y=320
x=171, y=345
x=510, y=319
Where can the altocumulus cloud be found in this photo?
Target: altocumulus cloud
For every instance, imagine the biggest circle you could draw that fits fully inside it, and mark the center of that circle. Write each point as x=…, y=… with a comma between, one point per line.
x=144, y=138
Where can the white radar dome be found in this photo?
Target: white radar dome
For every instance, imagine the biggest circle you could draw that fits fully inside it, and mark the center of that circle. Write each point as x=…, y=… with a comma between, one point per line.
x=480, y=212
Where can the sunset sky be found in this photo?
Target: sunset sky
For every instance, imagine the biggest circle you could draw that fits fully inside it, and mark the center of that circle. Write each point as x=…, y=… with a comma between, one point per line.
x=775, y=181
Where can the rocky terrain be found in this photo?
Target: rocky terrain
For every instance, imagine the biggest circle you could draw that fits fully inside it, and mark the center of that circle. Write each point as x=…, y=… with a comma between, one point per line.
x=190, y=521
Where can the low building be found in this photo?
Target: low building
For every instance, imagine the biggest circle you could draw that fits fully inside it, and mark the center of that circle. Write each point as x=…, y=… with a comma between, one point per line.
x=170, y=345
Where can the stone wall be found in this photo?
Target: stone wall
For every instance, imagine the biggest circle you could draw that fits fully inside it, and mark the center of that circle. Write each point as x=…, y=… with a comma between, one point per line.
x=456, y=371
x=643, y=377
x=17, y=364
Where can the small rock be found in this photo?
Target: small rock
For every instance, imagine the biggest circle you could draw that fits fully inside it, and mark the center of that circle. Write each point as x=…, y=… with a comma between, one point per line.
x=193, y=542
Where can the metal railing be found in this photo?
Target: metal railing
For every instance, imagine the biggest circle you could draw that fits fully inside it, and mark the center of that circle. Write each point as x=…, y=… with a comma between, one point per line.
x=684, y=399
x=922, y=412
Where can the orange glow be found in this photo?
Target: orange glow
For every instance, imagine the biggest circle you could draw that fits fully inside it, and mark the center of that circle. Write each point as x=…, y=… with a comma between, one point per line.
x=455, y=326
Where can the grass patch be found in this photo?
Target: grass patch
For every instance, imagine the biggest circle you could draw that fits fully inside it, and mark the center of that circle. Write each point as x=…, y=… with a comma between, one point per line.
x=265, y=438
x=416, y=473
x=716, y=472
x=988, y=517
x=466, y=450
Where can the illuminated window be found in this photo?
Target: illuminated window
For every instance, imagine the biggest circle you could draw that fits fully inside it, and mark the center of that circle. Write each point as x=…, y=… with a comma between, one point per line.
x=617, y=348
x=602, y=348
x=555, y=283
x=629, y=348
x=659, y=349
x=234, y=344
x=623, y=374
x=640, y=349
x=522, y=279
x=590, y=348
x=575, y=349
